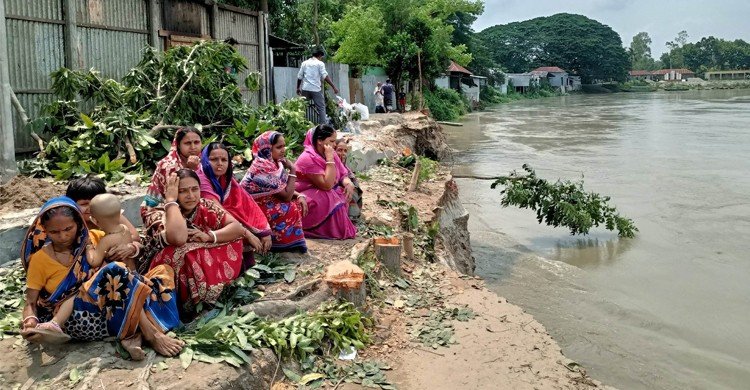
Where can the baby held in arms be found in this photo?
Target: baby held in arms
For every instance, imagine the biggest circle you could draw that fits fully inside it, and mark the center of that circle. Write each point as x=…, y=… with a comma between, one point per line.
x=105, y=211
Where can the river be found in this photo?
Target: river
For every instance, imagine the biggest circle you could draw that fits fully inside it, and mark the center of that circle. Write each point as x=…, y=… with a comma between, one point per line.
x=669, y=309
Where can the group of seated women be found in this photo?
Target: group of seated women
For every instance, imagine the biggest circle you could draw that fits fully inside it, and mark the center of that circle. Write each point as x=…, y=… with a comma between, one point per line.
x=201, y=229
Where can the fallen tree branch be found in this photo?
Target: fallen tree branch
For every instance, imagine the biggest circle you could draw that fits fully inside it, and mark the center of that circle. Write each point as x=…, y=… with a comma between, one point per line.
x=131, y=150
x=171, y=103
x=474, y=177
x=25, y=119
x=156, y=129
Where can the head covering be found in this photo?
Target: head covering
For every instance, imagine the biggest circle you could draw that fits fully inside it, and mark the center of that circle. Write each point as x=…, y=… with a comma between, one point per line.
x=310, y=162
x=265, y=176
x=36, y=238
x=209, y=181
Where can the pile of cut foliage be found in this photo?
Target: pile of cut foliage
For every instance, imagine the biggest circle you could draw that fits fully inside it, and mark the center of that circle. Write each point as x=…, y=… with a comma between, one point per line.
x=108, y=127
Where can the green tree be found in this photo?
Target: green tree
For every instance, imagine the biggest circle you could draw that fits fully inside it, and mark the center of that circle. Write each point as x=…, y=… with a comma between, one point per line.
x=640, y=52
x=673, y=58
x=712, y=53
x=358, y=36
x=414, y=33
x=575, y=43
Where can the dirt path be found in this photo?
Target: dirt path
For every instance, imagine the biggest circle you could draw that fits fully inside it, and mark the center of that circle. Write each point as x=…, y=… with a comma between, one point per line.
x=501, y=348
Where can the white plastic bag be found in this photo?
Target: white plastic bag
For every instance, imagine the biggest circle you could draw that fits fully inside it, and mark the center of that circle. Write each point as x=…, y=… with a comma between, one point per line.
x=364, y=112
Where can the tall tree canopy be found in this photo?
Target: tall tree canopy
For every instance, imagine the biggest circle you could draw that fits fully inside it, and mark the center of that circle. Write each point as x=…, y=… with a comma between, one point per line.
x=712, y=53
x=640, y=52
x=575, y=43
x=396, y=33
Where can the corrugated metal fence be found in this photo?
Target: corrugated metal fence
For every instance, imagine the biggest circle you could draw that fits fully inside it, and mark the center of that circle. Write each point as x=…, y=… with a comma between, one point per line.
x=109, y=35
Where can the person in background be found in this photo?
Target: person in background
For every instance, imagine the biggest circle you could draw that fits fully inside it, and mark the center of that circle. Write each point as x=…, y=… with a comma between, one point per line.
x=379, y=104
x=388, y=95
x=185, y=153
x=311, y=73
x=324, y=180
x=355, y=205
x=272, y=186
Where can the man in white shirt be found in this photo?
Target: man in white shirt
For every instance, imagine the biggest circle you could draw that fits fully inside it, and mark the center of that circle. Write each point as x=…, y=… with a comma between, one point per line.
x=309, y=82
x=379, y=107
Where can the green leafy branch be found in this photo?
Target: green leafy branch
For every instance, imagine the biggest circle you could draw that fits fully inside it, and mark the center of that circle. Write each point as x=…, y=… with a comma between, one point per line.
x=562, y=203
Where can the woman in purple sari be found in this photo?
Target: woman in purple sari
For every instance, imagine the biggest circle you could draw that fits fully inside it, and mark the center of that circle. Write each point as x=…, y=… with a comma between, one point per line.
x=323, y=179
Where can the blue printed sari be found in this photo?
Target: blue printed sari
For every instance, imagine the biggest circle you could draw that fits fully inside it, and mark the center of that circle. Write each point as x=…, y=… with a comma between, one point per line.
x=109, y=301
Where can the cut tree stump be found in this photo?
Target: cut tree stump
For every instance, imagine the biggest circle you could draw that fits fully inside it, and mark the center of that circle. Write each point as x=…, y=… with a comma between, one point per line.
x=409, y=246
x=347, y=282
x=389, y=254
x=415, y=176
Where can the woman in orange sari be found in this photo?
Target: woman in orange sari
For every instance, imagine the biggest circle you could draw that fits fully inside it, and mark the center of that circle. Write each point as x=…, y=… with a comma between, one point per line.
x=111, y=301
x=198, y=239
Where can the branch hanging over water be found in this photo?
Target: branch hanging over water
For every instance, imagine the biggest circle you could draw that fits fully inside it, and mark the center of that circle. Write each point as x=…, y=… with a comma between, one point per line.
x=562, y=203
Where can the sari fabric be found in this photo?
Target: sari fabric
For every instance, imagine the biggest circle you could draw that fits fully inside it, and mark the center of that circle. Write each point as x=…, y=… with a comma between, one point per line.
x=264, y=179
x=111, y=296
x=171, y=163
x=202, y=269
x=232, y=198
x=328, y=215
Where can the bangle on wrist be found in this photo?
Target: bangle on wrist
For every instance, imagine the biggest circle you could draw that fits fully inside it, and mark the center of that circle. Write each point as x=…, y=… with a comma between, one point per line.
x=30, y=317
x=330, y=162
x=137, y=250
x=214, y=235
x=292, y=175
x=170, y=203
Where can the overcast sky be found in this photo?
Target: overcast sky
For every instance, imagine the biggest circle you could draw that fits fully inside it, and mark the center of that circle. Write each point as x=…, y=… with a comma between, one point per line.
x=662, y=19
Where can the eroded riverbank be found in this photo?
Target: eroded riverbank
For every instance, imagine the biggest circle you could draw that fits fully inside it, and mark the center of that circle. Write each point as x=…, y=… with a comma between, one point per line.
x=498, y=344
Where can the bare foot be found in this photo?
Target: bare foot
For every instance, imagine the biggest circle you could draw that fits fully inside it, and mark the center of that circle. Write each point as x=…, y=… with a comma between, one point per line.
x=165, y=345
x=133, y=346
x=51, y=326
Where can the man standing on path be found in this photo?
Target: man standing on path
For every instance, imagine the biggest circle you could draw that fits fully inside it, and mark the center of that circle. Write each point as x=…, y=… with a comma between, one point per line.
x=311, y=73
x=388, y=95
x=379, y=104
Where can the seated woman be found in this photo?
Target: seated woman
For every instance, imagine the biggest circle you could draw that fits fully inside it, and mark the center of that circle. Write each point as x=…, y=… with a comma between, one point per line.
x=64, y=293
x=82, y=191
x=272, y=187
x=198, y=239
x=218, y=184
x=324, y=180
x=355, y=205
x=185, y=153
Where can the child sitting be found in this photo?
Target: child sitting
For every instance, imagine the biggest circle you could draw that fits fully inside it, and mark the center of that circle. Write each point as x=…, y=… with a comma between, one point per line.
x=105, y=213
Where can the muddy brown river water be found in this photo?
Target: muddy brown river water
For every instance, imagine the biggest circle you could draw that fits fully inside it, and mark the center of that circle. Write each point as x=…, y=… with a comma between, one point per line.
x=669, y=309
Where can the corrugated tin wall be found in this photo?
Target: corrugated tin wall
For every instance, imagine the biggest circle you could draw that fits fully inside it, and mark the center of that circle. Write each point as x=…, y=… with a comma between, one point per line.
x=243, y=28
x=112, y=35
x=35, y=48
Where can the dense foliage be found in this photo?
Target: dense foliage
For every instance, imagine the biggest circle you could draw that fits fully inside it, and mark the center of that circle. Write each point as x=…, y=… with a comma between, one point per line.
x=106, y=127
x=446, y=104
x=401, y=35
x=573, y=42
x=711, y=54
x=640, y=53
x=562, y=203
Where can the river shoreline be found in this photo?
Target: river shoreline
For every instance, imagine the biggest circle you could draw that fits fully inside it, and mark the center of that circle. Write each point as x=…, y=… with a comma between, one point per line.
x=515, y=350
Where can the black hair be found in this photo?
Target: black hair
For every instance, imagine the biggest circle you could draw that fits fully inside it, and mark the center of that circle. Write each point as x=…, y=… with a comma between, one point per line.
x=183, y=131
x=218, y=145
x=65, y=211
x=275, y=137
x=322, y=132
x=318, y=52
x=85, y=188
x=184, y=173
x=388, y=81
x=231, y=41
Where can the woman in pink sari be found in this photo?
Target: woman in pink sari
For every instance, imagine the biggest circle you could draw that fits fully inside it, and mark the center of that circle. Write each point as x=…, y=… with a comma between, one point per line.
x=323, y=179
